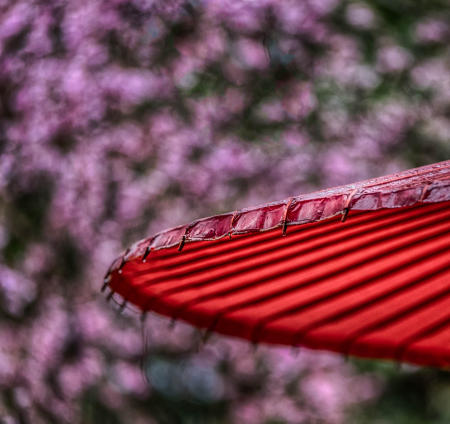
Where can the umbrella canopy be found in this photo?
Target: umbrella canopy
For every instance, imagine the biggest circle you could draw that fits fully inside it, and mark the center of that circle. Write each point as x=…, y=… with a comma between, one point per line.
x=362, y=269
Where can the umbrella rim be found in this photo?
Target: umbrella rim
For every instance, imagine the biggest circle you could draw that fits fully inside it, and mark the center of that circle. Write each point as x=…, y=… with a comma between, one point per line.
x=426, y=184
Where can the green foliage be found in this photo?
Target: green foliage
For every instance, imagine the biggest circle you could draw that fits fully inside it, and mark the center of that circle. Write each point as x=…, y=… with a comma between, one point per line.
x=409, y=395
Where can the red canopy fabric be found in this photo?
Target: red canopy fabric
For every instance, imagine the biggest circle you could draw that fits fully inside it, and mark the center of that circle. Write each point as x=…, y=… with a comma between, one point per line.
x=362, y=269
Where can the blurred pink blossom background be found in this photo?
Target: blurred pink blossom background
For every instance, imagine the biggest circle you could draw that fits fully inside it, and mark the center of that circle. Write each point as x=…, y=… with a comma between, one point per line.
x=121, y=118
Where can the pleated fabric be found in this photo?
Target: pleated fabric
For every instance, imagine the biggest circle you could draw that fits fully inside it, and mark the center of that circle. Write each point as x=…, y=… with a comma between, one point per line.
x=362, y=270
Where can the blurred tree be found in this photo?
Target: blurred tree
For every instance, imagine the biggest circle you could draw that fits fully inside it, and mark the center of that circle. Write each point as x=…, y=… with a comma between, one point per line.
x=118, y=119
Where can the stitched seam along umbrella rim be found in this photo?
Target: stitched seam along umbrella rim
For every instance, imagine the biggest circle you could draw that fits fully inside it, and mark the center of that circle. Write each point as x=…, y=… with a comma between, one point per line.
x=427, y=184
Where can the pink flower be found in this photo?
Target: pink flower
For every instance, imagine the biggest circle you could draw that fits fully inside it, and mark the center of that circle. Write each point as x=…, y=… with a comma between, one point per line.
x=251, y=54
x=392, y=58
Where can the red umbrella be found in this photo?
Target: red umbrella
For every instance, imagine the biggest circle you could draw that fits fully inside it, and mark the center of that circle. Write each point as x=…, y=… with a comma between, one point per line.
x=362, y=269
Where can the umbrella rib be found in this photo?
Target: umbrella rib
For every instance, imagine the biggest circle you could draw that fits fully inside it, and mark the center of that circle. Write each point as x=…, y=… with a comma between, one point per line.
x=229, y=246
x=258, y=335
x=268, y=279
x=382, y=238
x=184, y=307
x=254, y=254
x=198, y=253
x=259, y=328
x=434, y=328
x=384, y=322
x=382, y=298
x=387, y=322
x=150, y=301
x=354, y=231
